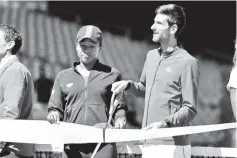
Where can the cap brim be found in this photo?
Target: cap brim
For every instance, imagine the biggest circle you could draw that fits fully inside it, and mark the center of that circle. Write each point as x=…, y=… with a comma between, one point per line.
x=85, y=37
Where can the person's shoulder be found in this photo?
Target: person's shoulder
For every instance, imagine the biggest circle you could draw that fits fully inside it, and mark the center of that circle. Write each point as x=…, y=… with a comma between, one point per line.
x=17, y=66
x=108, y=69
x=19, y=71
x=64, y=72
x=151, y=54
x=187, y=56
x=152, y=51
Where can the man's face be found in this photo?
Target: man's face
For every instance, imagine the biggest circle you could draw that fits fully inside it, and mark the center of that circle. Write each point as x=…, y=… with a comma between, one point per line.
x=160, y=28
x=87, y=50
x=3, y=45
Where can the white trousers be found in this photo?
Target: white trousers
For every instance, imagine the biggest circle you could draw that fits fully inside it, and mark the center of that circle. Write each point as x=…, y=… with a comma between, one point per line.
x=166, y=151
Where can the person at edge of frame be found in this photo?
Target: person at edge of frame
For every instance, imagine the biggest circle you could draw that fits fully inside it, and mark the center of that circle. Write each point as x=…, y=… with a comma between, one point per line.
x=16, y=90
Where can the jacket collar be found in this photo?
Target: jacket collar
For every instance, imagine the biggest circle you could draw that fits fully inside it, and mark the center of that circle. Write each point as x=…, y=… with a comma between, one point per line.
x=97, y=63
x=7, y=63
x=95, y=71
x=171, y=51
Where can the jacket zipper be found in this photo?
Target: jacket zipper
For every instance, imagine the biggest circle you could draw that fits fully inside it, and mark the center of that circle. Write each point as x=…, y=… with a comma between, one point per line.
x=153, y=83
x=86, y=99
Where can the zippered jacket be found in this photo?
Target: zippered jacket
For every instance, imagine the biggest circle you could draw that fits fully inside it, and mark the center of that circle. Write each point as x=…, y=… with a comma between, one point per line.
x=170, y=86
x=16, y=100
x=86, y=103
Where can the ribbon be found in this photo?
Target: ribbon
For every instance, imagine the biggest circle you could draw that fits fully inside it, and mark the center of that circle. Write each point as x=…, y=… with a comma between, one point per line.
x=42, y=132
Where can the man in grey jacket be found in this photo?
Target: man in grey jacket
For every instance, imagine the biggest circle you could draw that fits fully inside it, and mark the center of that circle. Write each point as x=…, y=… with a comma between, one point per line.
x=169, y=81
x=16, y=89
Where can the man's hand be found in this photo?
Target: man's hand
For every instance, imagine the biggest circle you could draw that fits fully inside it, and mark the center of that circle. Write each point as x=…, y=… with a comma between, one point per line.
x=53, y=117
x=120, y=123
x=119, y=86
x=156, y=125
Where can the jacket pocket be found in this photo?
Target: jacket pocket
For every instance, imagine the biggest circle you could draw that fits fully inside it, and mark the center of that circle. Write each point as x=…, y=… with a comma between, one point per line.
x=74, y=114
x=96, y=113
x=89, y=114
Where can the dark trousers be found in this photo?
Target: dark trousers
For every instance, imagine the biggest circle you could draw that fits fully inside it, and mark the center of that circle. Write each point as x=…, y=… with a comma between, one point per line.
x=86, y=150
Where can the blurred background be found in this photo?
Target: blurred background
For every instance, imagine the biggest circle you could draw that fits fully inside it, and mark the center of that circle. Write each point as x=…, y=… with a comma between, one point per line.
x=49, y=30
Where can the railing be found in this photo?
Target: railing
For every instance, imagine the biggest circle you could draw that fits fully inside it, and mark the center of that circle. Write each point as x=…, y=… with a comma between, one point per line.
x=134, y=151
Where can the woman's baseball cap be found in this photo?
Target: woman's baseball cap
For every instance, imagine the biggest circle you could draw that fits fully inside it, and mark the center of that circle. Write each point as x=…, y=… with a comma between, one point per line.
x=91, y=32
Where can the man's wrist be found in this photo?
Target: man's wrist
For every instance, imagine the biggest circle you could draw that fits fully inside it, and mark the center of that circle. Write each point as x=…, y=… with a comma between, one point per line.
x=122, y=118
x=166, y=123
x=58, y=112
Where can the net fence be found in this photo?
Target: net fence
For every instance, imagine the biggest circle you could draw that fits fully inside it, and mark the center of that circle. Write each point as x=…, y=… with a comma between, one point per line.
x=134, y=151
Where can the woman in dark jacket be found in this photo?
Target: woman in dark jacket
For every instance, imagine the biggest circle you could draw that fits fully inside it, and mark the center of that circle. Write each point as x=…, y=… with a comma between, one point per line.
x=82, y=94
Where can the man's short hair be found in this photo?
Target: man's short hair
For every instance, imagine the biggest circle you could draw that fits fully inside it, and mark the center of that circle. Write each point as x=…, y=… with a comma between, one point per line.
x=176, y=14
x=11, y=34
